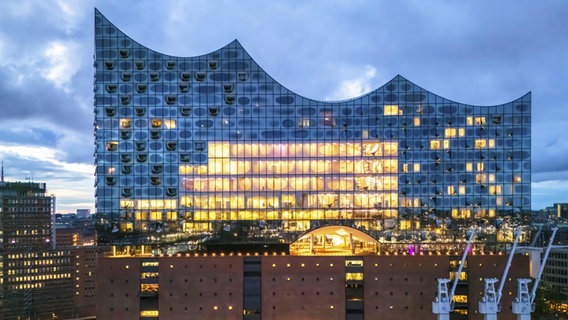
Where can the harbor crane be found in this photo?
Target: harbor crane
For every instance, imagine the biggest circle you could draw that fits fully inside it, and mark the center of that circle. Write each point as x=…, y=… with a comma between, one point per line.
x=443, y=303
x=524, y=302
x=489, y=304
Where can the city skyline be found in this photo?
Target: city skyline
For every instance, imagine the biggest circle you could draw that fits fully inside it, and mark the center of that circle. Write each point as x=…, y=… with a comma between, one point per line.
x=46, y=52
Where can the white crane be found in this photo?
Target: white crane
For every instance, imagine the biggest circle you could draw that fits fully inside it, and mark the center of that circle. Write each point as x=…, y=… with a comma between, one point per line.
x=489, y=304
x=443, y=304
x=523, y=303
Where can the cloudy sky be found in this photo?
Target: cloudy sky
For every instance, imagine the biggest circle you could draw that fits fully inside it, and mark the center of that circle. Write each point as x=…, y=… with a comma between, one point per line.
x=482, y=52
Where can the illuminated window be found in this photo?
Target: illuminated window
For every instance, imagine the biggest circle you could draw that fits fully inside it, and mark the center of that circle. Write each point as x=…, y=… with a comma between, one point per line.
x=480, y=144
x=304, y=123
x=353, y=276
x=491, y=143
x=392, y=111
x=450, y=132
x=435, y=144
x=492, y=178
x=417, y=167
x=170, y=124
x=517, y=179
x=125, y=123
x=416, y=121
x=495, y=190
x=365, y=134
x=328, y=119
x=405, y=167
x=499, y=201
x=156, y=123
x=469, y=121
x=112, y=145
x=451, y=190
x=462, y=190
x=480, y=121
x=351, y=263
x=149, y=314
x=469, y=166
x=480, y=167
x=461, y=132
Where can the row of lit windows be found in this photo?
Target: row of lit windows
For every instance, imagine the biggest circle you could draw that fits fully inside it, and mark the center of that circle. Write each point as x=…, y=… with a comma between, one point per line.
x=364, y=183
x=43, y=262
x=32, y=255
x=33, y=270
x=287, y=150
x=218, y=166
x=40, y=277
x=437, y=144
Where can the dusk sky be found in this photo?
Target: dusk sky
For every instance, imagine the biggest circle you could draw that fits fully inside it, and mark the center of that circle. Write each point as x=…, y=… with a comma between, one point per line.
x=475, y=52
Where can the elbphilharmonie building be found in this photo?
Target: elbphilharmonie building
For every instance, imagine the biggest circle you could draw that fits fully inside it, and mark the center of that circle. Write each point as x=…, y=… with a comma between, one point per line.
x=211, y=149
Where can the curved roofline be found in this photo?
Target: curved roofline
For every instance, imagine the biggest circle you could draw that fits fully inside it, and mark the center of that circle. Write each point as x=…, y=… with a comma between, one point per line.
x=358, y=233
x=236, y=43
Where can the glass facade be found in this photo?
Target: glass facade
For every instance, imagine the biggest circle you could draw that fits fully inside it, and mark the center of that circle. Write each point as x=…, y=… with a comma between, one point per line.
x=211, y=148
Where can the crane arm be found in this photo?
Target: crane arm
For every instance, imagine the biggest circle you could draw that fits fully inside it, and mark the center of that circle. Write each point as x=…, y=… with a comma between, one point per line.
x=546, y=253
x=508, y=266
x=464, y=256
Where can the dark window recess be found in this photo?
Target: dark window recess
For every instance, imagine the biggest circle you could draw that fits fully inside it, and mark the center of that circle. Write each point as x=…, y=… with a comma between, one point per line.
x=199, y=146
x=139, y=65
x=125, y=100
x=185, y=76
x=185, y=111
x=252, y=288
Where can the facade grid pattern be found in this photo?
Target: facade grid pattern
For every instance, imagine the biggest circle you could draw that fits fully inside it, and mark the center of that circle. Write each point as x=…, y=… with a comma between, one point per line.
x=212, y=146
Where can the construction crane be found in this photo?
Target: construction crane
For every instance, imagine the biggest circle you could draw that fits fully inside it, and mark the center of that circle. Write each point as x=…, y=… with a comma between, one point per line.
x=523, y=303
x=489, y=304
x=533, y=242
x=443, y=304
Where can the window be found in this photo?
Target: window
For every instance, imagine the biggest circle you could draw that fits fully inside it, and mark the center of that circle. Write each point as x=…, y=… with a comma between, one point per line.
x=112, y=145
x=480, y=144
x=451, y=190
x=170, y=124
x=495, y=190
x=392, y=111
x=417, y=167
x=328, y=119
x=450, y=132
x=304, y=123
x=435, y=144
x=156, y=123
x=416, y=122
x=469, y=166
x=185, y=111
x=125, y=123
